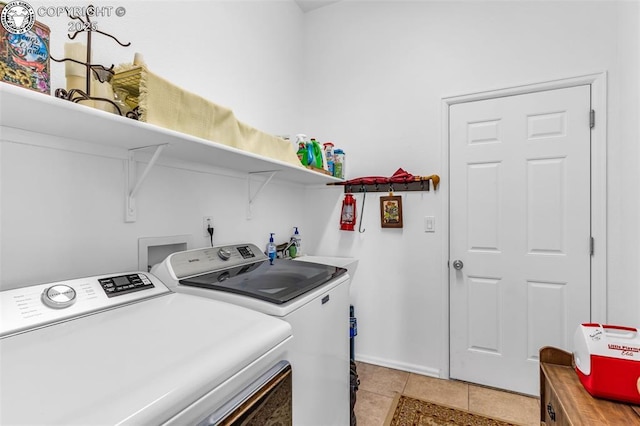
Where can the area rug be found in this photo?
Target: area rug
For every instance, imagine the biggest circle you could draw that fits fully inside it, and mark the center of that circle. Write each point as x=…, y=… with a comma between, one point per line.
x=407, y=411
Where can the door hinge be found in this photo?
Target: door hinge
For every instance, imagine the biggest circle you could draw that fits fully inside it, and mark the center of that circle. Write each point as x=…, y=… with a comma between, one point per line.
x=592, y=243
x=592, y=118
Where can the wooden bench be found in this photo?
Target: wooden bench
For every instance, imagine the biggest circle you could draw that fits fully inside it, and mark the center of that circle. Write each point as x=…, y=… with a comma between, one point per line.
x=564, y=401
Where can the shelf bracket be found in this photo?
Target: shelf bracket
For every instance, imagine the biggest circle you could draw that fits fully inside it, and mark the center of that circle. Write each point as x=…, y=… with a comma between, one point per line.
x=252, y=198
x=131, y=185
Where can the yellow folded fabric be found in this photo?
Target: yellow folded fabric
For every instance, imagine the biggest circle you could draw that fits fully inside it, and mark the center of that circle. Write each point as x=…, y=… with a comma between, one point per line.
x=164, y=104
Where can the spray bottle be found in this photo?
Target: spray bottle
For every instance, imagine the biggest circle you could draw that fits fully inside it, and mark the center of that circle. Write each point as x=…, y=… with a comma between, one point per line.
x=271, y=249
x=328, y=153
x=303, y=150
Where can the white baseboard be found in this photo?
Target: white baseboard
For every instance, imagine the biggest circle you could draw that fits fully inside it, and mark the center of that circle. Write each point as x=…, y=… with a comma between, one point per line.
x=411, y=368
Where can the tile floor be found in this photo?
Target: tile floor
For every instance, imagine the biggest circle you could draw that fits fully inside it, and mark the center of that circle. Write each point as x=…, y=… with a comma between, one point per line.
x=378, y=386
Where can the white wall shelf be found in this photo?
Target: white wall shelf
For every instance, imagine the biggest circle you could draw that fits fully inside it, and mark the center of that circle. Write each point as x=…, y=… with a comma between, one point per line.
x=36, y=112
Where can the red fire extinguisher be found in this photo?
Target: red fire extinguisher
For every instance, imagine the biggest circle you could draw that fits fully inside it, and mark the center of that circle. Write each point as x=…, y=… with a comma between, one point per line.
x=348, y=214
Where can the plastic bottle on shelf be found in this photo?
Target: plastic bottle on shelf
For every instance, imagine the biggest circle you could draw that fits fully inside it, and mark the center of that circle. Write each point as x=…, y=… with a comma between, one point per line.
x=303, y=155
x=338, y=163
x=318, y=153
x=310, y=156
x=328, y=153
x=271, y=249
x=315, y=154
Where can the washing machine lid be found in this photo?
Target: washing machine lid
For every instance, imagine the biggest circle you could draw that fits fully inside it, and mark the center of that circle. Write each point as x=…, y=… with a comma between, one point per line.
x=140, y=363
x=278, y=283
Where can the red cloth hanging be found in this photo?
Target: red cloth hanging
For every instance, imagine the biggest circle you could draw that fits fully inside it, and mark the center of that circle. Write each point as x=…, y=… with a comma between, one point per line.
x=400, y=176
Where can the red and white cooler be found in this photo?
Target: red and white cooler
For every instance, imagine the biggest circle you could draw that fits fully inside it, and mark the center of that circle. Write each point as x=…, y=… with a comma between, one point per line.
x=607, y=359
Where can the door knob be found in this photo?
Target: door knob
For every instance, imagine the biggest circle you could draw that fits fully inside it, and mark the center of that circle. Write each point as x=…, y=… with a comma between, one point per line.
x=457, y=264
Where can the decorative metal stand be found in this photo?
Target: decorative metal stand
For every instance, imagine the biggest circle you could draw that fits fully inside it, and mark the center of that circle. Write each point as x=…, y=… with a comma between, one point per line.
x=102, y=73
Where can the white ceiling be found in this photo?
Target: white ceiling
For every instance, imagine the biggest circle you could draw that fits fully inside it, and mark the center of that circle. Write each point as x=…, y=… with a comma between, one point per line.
x=308, y=5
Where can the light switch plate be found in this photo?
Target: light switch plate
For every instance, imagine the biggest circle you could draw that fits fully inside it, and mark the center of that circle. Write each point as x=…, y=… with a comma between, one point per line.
x=429, y=224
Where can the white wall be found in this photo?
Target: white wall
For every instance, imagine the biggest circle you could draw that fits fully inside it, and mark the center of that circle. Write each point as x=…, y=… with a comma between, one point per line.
x=376, y=74
x=240, y=54
x=62, y=212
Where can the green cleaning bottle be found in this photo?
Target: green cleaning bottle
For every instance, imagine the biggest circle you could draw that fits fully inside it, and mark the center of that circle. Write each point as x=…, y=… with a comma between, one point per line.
x=303, y=153
x=317, y=154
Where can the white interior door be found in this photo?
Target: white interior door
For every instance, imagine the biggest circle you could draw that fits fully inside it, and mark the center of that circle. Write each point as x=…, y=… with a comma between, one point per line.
x=520, y=228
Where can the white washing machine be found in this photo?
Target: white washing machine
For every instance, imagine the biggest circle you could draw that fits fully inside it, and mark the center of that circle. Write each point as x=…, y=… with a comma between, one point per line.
x=313, y=298
x=125, y=350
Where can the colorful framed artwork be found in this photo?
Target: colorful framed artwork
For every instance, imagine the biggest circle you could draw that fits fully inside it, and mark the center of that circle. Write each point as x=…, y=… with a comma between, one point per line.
x=391, y=211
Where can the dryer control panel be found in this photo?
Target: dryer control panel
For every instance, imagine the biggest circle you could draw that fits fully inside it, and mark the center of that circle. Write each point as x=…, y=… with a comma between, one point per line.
x=199, y=261
x=39, y=305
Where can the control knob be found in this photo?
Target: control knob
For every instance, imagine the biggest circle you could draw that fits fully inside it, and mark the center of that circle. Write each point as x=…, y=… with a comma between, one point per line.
x=224, y=253
x=59, y=296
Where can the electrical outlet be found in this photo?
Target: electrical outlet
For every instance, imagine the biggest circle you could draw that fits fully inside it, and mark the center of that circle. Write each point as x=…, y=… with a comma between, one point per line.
x=207, y=221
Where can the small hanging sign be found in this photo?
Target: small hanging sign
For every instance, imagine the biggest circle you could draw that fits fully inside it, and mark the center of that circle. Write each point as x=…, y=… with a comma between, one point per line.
x=391, y=211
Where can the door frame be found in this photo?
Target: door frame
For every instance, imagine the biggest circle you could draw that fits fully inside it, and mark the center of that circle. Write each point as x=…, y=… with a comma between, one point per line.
x=598, y=82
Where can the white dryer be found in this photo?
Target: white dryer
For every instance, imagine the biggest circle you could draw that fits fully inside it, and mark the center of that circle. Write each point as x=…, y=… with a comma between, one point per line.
x=124, y=350
x=313, y=298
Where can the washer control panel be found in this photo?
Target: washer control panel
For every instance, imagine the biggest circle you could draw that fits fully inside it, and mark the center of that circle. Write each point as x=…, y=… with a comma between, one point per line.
x=31, y=307
x=122, y=284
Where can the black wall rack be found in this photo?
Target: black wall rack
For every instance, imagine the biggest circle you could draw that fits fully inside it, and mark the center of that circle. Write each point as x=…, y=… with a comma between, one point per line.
x=418, y=183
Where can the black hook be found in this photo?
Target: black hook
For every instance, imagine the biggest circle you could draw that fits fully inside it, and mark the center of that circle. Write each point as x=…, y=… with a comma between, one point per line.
x=364, y=197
